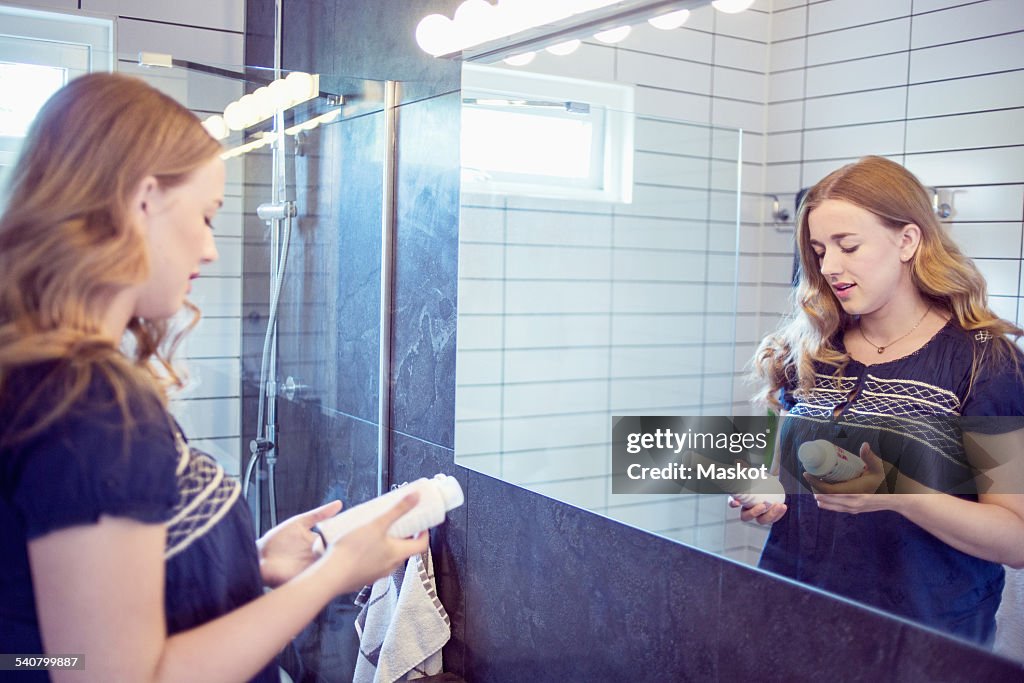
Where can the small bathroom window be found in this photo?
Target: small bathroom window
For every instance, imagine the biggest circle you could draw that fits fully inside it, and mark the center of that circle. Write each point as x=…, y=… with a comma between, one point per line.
x=536, y=135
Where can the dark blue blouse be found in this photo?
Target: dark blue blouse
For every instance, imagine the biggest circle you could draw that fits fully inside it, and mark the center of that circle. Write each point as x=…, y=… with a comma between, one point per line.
x=88, y=464
x=913, y=412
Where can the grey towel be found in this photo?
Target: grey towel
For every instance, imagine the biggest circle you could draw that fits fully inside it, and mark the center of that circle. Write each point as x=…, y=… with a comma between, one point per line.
x=402, y=625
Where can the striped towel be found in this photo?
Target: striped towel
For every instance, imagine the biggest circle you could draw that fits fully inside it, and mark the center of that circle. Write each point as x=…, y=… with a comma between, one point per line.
x=402, y=626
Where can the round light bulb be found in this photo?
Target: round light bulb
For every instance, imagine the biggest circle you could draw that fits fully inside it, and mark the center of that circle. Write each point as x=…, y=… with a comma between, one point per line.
x=566, y=48
x=264, y=103
x=520, y=59
x=234, y=116
x=473, y=22
x=435, y=34
x=249, y=109
x=216, y=127
x=613, y=35
x=672, y=20
x=300, y=86
x=279, y=95
x=731, y=6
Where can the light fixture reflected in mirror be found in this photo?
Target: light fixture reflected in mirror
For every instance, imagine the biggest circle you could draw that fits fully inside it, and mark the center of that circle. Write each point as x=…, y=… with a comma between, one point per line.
x=731, y=6
x=614, y=35
x=566, y=48
x=670, y=21
x=520, y=59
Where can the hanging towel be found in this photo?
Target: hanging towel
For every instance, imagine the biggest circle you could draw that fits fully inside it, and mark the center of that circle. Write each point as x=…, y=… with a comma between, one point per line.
x=402, y=625
x=1010, y=617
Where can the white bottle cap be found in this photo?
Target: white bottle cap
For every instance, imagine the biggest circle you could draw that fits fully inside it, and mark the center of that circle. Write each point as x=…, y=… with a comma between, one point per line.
x=813, y=455
x=451, y=492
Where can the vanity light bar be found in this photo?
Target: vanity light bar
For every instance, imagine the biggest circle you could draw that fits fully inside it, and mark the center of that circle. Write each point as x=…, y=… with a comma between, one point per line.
x=265, y=138
x=480, y=28
x=283, y=93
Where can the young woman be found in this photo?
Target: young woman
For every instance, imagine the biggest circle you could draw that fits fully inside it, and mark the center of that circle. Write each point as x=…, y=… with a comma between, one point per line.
x=893, y=353
x=117, y=541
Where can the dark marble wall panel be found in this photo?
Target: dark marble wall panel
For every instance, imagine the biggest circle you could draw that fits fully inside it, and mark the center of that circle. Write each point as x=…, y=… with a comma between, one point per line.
x=426, y=270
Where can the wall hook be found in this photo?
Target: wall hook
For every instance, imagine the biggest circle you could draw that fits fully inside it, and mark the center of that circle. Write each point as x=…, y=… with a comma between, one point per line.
x=942, y=209
x=780, y=214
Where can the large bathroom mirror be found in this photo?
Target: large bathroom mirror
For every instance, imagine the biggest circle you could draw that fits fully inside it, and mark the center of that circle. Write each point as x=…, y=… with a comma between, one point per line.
x=626, y=234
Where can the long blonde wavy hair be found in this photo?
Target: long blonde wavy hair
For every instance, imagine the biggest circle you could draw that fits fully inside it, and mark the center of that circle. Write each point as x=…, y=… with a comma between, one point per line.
x=68, y=242
x=947, y=279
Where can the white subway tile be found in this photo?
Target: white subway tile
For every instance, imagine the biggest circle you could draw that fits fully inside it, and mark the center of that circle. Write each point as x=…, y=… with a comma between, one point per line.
x=740, y=54
x=1003, y=306
x=733, y=114
x=986, y=55
x=858, y=43
x=549, y=398
x=780, y=5
x=747, y=145
x=528, y=433
x=225, y=451
x=668, y=203
x=789, y=23
x=565, y=228
x=670, y=137
x=789, y=54
x=994, y=91
x=655, y=361
x=874, y=138
x=683, y=43
x=980, y=203
x=478, y=367
x=751, y=25
x=207, y=418
x=922, y=6
x=548, y=466
x=673, y=171
x=477, y=332
x=711, y=538
x=480, y=296
x=970, y=167
x=528, y=365
x=531, y=331
x=218, y=296
x=838, y=14
x=211, y=378
x=654, y=395
x=1002, y=275
x=986, y=240
x=567, y=297
x=557, y=263
x=784, y=147
x=645, y=266
x=742, y=85
x=481, y=261
x=783, y=179
x=660, y=233
x=785, y=116
x=663, y=72
x=478, y=438
x=987, y=129
x=657, y=298
x=813, y=171
x=50, y=4
x=977, y=20
x=182, y=42
x=656, y=329
x=702, y=18
x=673, y=105
x=866, y=107
x=862, y=74
x=786, y=85
x=213, y=338
x=480, y=224
x=474, y=403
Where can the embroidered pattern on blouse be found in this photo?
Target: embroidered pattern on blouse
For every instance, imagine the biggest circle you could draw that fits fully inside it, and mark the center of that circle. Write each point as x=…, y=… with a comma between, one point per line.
x=828, y=393
x=914, y=410
x=205, y=495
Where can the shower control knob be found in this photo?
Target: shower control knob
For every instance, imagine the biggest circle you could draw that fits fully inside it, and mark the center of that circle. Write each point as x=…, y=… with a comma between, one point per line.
x=260, y=446
x=291, y=387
